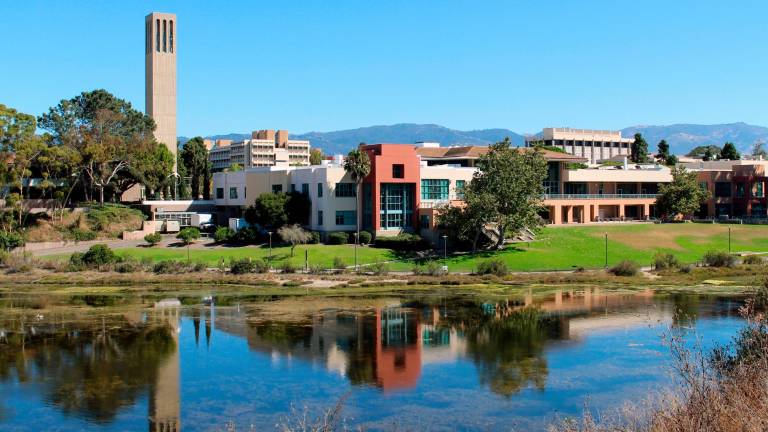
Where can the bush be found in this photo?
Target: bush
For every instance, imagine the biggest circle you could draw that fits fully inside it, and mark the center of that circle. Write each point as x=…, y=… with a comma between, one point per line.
x=625, y=268
x=249, y=235
x=288, y=267
x=663, y=261
x=10, y=240
x=432, y=268
x=377, y=269
x=98, y=255
x=241, y=266
x=365, y=237
x=492, y=266
x=171, y=267
x=339, y=264
x=686, y=269
x=314, y=237
x=188, y=235
x=719, y=259
x=153, y=238
x=753, y=260
x=337, y=238
x=316, y=269
x=403, y=242
x=129, y=265
x=78, y=234
x=223, y=234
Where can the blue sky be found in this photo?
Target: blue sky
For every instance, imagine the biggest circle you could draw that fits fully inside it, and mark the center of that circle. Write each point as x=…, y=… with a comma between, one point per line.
x=328, y=65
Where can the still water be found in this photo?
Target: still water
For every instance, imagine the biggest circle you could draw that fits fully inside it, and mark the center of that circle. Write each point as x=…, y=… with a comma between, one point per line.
x=438, y=362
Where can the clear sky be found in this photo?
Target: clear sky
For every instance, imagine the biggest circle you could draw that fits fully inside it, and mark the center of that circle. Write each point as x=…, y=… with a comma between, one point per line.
x=328, y=65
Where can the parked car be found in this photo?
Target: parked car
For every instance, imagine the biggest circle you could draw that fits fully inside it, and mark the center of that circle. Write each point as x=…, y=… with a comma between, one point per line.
x=208, y=227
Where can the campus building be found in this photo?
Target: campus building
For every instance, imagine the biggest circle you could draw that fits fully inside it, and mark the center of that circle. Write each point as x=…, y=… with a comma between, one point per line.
x=161, y=37
x=592, y=145
x=737, y=188
x=265, y=148
x=408, y=184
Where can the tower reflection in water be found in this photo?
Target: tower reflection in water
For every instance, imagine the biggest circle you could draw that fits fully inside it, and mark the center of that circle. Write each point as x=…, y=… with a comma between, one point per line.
x=164, y=396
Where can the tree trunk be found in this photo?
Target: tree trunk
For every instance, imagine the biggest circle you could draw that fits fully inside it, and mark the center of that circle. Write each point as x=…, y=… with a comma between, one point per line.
x=101, y=195
x=500, y=240
x=475, y=240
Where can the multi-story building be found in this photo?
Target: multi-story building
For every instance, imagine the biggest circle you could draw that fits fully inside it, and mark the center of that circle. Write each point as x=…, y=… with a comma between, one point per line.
x=265, y=148
x=737, y=188
x=593, y=145
x=409, y=184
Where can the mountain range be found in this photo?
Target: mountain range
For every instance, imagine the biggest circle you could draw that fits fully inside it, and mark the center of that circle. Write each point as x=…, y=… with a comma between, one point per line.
x=681, y=137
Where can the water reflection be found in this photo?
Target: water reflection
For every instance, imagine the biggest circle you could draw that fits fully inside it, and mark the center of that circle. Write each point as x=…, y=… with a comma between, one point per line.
x=94, y=367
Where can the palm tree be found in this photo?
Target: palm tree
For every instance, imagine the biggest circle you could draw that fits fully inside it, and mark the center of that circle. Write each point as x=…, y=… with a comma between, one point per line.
x=358, y=166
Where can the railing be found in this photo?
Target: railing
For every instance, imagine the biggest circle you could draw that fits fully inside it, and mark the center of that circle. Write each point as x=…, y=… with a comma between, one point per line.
x=600, y=196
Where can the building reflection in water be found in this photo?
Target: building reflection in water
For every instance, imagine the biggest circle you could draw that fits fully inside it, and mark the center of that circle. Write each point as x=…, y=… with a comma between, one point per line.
x=164, y=396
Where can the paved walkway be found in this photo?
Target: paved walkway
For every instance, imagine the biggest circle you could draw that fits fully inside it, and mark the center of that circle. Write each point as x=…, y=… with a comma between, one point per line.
x=114, y=244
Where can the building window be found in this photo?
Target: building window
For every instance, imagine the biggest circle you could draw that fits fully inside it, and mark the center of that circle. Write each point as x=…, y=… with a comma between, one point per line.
x=345, y=190
x=165, y=36
x=396, y=202
x=460, y=185
x=170, y=42
x=398, y=171
x=305, y=188
x=424, y=221
x=703, y=186
x=245, y=192
x=759, y=192
x=277, y=188
x=293, y=188
x=346, y=217
x=740, y=190
x=219, y=193
x=320, y=217
x=157, y=36
x=233, y=193
x=722, y=189
x=319, y=190
x=434, y=189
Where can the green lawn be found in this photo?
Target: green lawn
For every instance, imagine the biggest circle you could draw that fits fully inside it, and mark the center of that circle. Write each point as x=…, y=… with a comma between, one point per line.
x=317, y=254
x=559, y=248
x=564, y=247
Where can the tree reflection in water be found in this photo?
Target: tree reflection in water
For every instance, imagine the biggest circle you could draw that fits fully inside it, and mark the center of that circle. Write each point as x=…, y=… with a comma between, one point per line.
x=88, y=371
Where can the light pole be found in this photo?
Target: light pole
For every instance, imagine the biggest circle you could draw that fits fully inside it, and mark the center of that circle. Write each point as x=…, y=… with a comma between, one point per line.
x=270, y=248
x=356, y=237
x=606, y=250
x=729, y=239
x=445, y=248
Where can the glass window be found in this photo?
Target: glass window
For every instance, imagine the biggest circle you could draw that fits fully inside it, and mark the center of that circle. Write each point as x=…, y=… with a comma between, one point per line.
x=219, y=193
x=319, y=190
x=346, y=217
x=434, y=189
x=398, y=171
x=722, y=189
x=170, y=43
x=703, y=186
x=293, y=188
x=740, y=190
x=319, y=217
x=233, y=193
x=759, y=192
x=305, y=188
x=157, y=36
x=277, y=188
x=424, y=221
x=165, y=36
x=344, y=190
x=460, y=185
x=396, y=205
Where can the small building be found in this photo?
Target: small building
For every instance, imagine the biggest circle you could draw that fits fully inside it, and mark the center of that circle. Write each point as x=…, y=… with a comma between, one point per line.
x=592, y=145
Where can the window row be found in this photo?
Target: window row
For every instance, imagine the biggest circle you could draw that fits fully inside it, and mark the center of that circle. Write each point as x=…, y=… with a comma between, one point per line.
x=163, y=36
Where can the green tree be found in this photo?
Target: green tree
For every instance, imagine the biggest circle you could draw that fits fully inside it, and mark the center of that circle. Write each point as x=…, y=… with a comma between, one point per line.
x=699, y=151
x=316, y=156
x=639, y=149
x=268, y=210
x=729, y=152
x=513, y=179
x=709, y=155
x=195, y=157
x=463, y=224
x=183, y=190
x=358, y=165
x=188, y=235
x=758, y=149
x=294, y=235
x=235, y=167
x=298, y=208
x=153, y=168
x=682, y=196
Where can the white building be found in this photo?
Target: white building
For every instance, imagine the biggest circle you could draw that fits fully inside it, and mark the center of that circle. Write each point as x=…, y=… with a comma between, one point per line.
x=265, y=148
x=593, y=145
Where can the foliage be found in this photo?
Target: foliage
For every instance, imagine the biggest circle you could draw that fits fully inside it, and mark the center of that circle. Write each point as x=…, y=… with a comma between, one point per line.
x=464, y=224
x=682, y=196
x=663, y=156
x=403, y=242
x=223, y=234
x=268, y=210
x=719, y=259
x=357, y=165
x=298, y=208
x=288, y=267
x=153, y=238
x=98, y=255
x=195, y=157
x=78, y=234
x=234, y=167
x=242, y=266
x=758, y=150
x=753, y=260
x=639, y=149
x=102, y=217
x=729, y=152
x=177, y=267
x=709, y=155
x=188, y=235
x=337, y=238
x=377, y=269
x=625, y=268
x=576, y=166
x=153, y=168
x=432, y=268
x=295, y=235
x=339, y=263
x=10, y=240
x=665, y=260
x=315, y=237
x=700, y=151
x=495, y=267
x=316, y=156
x=249, y=235
x=365, y=237
x=542, y=146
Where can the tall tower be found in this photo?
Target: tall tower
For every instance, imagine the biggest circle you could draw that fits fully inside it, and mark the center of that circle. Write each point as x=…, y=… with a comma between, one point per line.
x=160, y=76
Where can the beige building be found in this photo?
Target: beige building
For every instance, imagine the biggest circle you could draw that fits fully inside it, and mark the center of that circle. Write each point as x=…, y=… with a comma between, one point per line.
x=265, y=148
x=593, y=145
x=161, y=34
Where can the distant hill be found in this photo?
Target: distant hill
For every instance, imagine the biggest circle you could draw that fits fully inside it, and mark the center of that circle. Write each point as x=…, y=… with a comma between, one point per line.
x=684, y=137
x=681, y=137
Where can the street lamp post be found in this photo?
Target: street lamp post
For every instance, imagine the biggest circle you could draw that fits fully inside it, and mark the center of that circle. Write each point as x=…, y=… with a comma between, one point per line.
x=606, y=250
x=356, y=238
x=729, y=239
x=445, y=248
x=270, y=247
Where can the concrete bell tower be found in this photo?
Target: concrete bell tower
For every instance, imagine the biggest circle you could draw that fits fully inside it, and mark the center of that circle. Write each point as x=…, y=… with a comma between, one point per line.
x=161, y=33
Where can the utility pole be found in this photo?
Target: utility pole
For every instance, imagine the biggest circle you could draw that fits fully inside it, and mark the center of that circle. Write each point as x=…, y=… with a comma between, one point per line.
x=606, y=250
x=270, y=248
x=729, y=239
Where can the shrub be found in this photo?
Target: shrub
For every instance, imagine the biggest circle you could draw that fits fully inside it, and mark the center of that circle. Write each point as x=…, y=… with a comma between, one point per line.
x=492, y=266
x=625, y=268
x=223, y=234
x=10, y=240
x=663, y=261
x=339, y=264
x=153, y=238
x=365, y=237
x=719, y=259
x=78, y=234
x=753, y=260
x=288, y=267
x=403, y=242
x=378, y=268
x=188, y=235
x=314, y=237
x=170, y=267
x=316, y=269
x=99, y=255
x=686, y=269
x=241, y=266
x=129, y=265
x=260, y=266
x=249, y=235
x=337, y=238
x=432, y=268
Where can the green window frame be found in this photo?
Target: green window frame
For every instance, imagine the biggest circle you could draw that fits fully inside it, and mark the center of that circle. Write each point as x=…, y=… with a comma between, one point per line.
x=460, y=185
x=435, y=189
x=233, y=193
x=346, y=217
